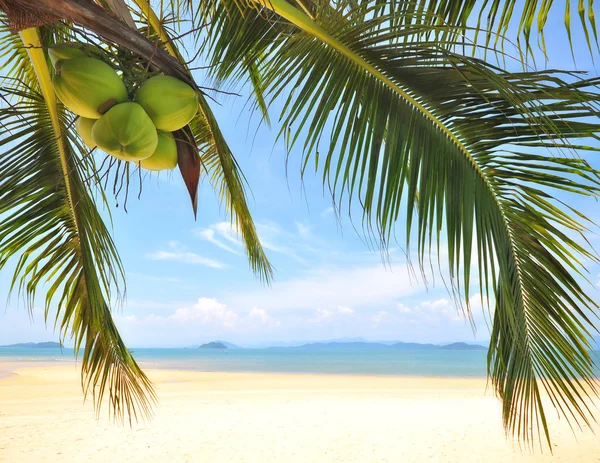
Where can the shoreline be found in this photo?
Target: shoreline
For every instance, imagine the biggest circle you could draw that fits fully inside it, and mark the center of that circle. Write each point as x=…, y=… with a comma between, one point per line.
x=161, y=375
x=164, y=366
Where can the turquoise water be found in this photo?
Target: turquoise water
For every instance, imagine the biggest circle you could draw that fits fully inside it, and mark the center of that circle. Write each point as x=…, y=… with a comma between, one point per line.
x=444, y=363
x=280, y=360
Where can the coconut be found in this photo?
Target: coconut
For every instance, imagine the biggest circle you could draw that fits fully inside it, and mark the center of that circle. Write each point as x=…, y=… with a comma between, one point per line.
x=83, y=125
x=165, y=155
x=64, y=51
x=126, y=132
x=170, y=103
x=88, y=86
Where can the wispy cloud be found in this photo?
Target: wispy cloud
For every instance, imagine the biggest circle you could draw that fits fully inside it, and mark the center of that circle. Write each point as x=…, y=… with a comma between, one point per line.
x=327, y=211
x=331, y=287
x=303, y=229
x=227, y=232
x=271, y=235
x=187, y=258
x=178, y=253
x=208, y=234
x=274, y=238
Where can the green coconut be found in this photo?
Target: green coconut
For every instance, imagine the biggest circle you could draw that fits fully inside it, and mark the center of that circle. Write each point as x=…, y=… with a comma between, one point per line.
x=64, y=51
x=165, y=155
x=126, y=132
x=84, y=126
x=88, y=86
x=170, y=103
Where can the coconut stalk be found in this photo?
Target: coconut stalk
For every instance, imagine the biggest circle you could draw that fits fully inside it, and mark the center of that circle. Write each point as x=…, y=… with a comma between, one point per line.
x=91, y=16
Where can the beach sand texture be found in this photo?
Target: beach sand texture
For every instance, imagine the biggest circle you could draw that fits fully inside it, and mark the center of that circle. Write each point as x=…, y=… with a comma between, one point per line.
x=283, y=418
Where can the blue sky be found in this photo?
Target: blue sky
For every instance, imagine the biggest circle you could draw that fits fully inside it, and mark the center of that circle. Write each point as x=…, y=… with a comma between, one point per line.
x=189, y=282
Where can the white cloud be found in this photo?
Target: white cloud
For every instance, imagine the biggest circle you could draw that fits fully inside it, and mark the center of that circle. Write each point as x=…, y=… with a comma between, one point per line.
x=271, y=235
x=261, y=316
x=321, y=316
x=476, y=303
x=344, y=310
x=303, y=229
x=329, y=288
x=380, y=316
x=402, y=308
x=207, y=311
x=437, y=311
x=225, y=232
x=327, y=211
x=175, y=246
x=187, y=258
x=326, y=315
x=437, y=305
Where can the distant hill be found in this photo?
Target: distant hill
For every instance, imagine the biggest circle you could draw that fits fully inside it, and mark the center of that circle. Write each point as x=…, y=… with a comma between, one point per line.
x=378, y=345
x=213, y=345
x=42, y=345
x=413, y=346
x=462, y=346
x=229, y=345
x=334, y=345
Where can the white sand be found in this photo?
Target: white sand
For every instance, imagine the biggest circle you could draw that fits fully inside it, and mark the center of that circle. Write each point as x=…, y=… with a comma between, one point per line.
x=255, y=417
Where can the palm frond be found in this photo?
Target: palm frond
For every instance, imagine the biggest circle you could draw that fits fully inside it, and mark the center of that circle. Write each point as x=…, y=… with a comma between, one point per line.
x=51, y=225
x=220, y=164
x=463, y=150
x=490, y=22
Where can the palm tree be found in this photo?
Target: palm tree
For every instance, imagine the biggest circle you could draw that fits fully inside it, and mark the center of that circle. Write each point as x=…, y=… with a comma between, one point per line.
x=418, y=124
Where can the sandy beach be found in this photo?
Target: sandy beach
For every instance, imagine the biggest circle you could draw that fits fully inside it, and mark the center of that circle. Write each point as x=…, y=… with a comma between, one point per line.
x=256, y=417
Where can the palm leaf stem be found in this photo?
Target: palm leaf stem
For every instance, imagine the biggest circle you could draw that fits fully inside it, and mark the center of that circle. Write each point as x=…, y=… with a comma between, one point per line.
x=305, y=23
x=31, y=40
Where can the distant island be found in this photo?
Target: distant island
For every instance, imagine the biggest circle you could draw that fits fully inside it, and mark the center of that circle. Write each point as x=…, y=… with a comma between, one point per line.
x=209, y=345
x=462, y=346
x=42, y=345
x=213, y=345
x=228, y=344
x=377, y=345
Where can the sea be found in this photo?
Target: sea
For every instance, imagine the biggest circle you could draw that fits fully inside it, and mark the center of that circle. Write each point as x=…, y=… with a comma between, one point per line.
x=330, y=360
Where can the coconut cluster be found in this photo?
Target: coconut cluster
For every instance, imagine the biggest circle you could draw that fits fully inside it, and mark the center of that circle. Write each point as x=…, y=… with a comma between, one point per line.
x=138, y=130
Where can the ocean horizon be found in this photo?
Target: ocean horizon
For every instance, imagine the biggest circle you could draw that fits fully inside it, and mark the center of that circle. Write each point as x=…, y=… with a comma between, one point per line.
x=330, y=360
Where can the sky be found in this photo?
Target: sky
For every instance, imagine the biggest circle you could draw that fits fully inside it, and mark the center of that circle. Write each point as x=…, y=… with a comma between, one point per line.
x=188, y=281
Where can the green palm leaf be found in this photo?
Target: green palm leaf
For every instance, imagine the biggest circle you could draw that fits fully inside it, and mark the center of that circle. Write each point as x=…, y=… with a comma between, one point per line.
x=463, y=150
x=52, y=226
x=489, y=22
